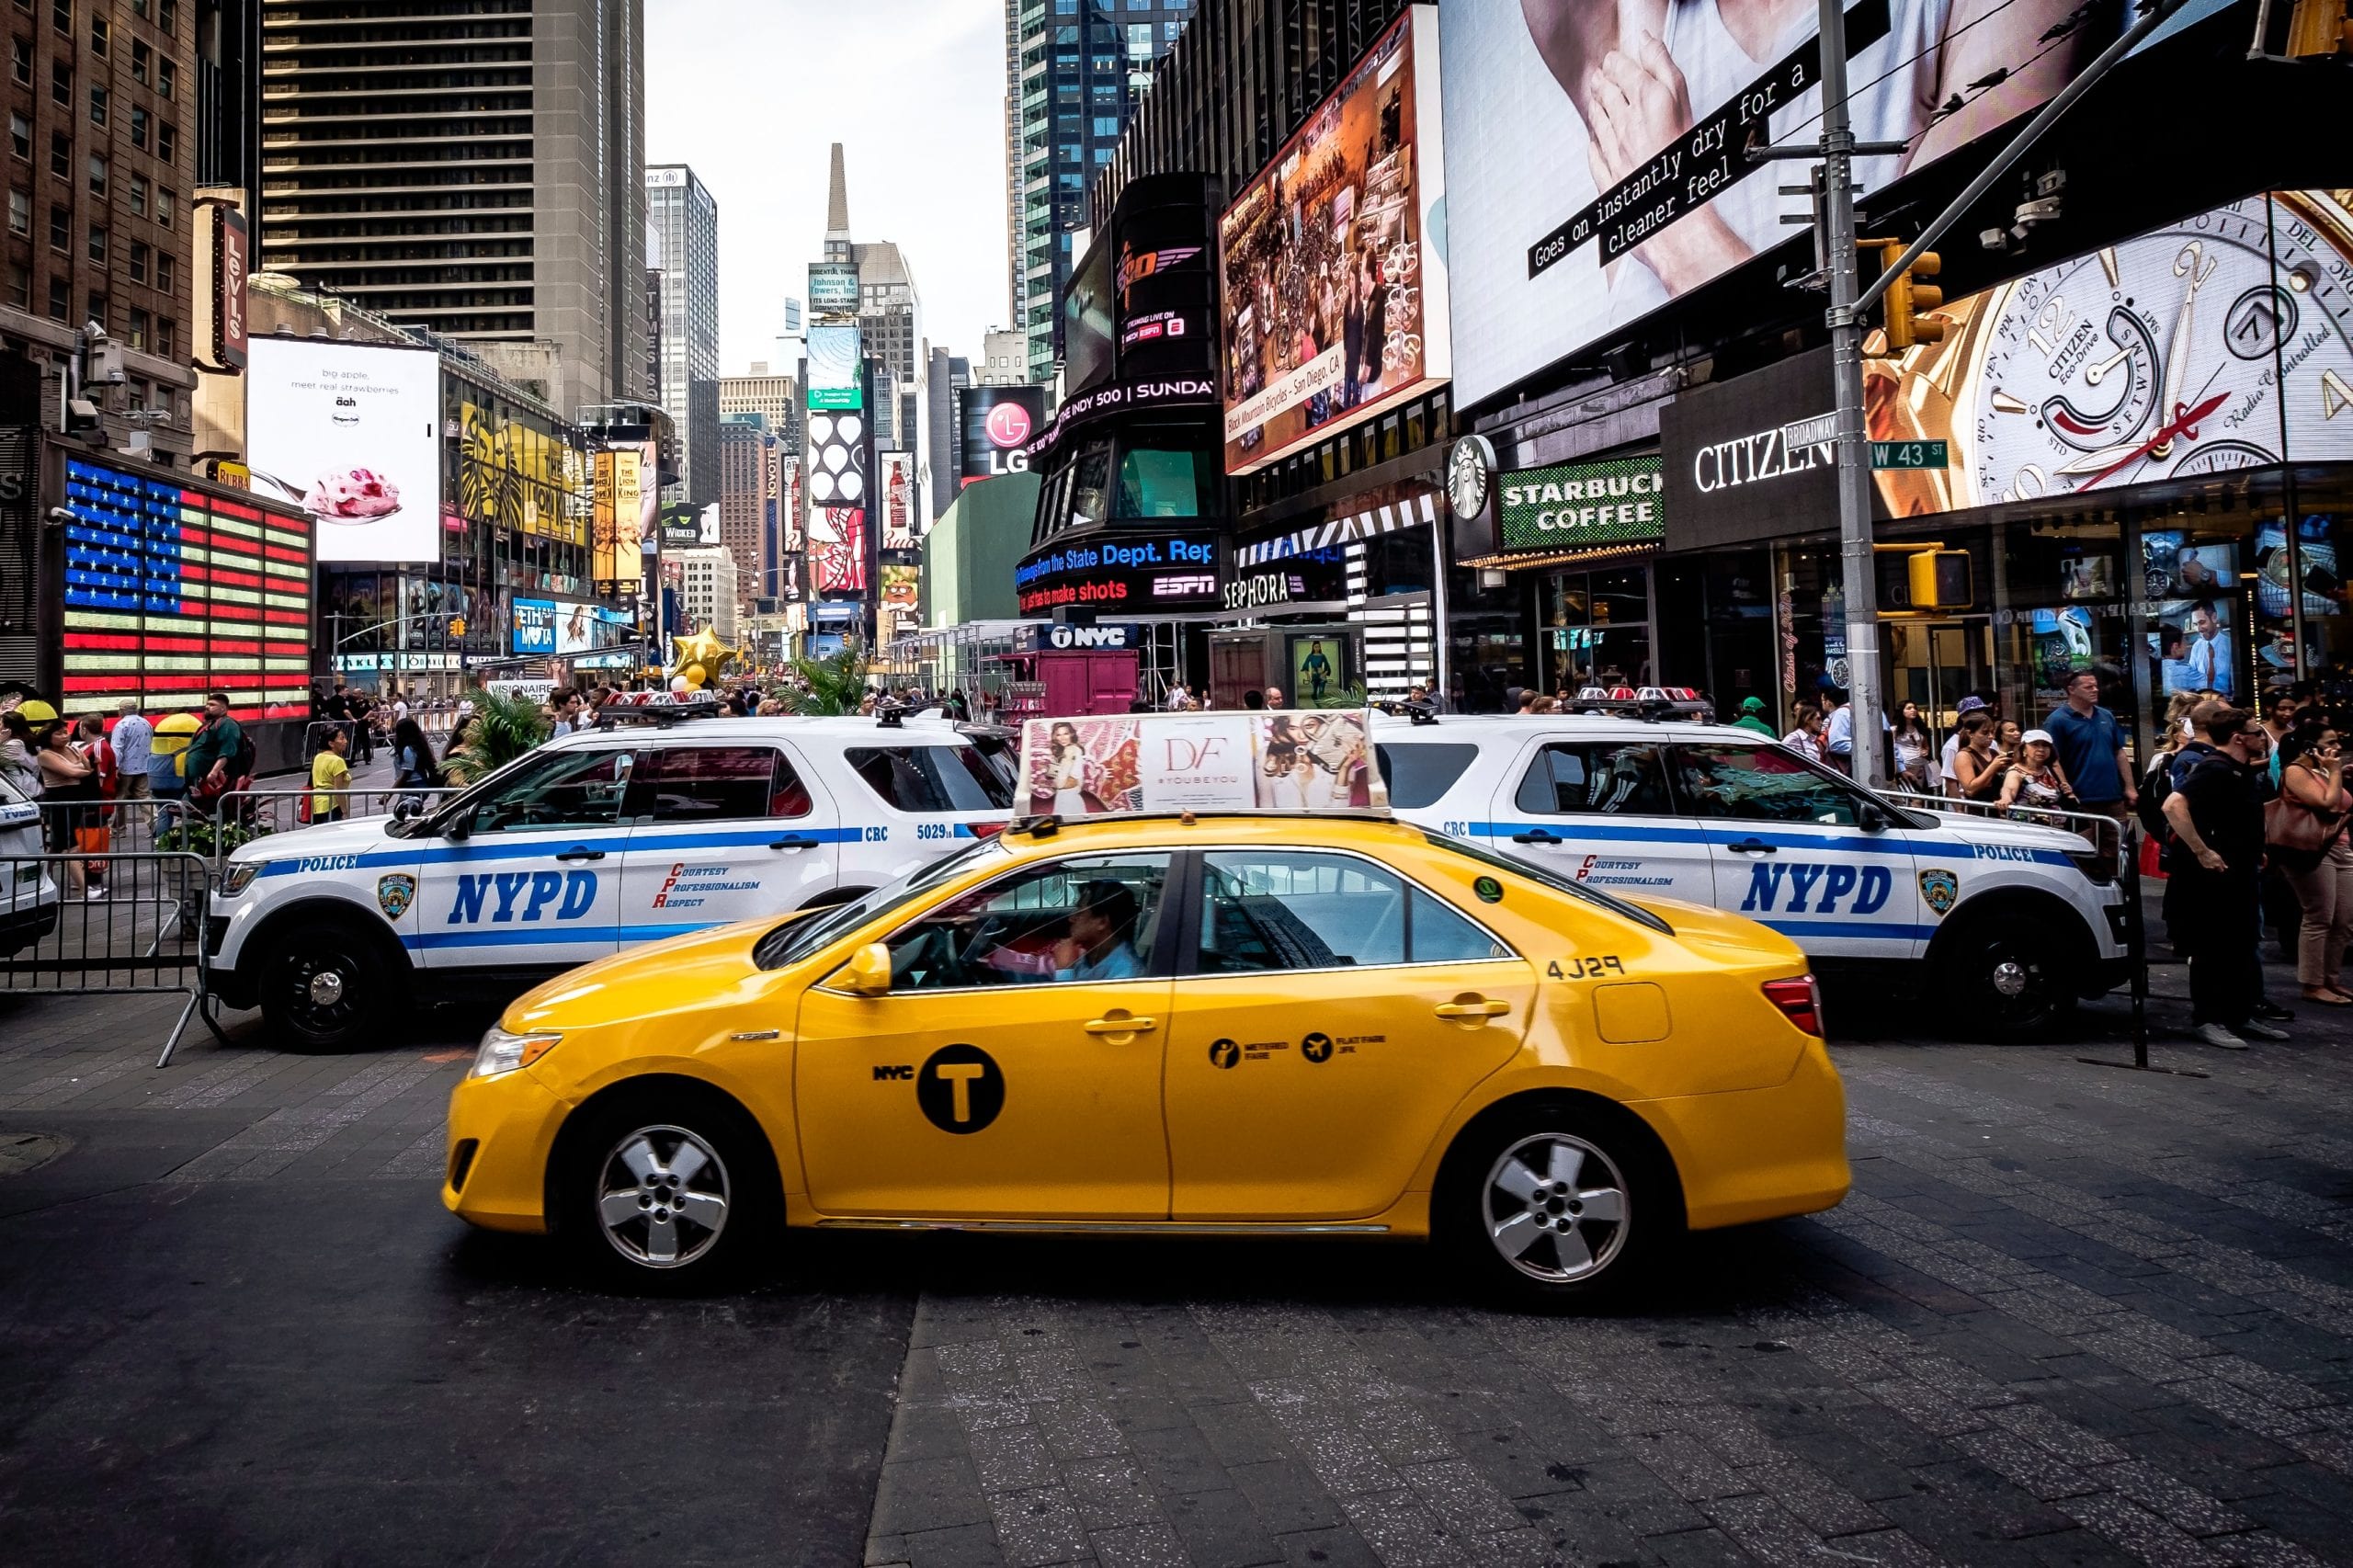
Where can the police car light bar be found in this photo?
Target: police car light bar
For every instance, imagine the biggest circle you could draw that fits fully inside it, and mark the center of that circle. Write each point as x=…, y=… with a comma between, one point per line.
x=1284, y=761
x=654, y=708
x=1651, y=702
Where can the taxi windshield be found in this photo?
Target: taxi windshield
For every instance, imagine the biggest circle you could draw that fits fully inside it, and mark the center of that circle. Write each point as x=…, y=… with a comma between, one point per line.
x=796, y=939
x=1593, y=895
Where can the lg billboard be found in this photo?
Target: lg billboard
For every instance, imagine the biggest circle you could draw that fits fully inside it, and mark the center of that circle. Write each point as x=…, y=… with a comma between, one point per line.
x=997, y=421
x=351, y=433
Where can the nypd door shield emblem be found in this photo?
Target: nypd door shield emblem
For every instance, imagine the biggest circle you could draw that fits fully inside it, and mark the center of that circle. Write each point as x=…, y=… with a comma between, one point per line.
x=1940, y=889
x=394, y=893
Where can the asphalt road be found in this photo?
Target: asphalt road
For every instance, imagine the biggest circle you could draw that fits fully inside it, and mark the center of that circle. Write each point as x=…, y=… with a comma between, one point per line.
x=2071, y=1315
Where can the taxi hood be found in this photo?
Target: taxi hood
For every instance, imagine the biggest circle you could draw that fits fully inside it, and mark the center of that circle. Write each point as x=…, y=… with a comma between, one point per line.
x=1703, y=926
x=327, y=838
x=705, y=969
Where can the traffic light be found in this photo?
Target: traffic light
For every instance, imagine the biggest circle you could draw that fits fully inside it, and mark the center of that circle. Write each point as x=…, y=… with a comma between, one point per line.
x=1907, y=297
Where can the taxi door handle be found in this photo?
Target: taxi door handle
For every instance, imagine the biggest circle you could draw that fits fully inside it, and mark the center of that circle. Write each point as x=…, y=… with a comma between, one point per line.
x=1537, y=836
x=582, y=854
x=1753, y=846
x=1473, y=1007
x=1121, y=1025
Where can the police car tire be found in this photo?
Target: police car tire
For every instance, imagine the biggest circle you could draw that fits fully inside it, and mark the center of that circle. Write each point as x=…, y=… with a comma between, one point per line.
x=369, y=1002
x=1611, y=1156
x=1970, y=994
x=740, y=1169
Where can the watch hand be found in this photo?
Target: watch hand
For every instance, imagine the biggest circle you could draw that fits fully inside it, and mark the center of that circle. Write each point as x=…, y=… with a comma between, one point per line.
x=2187, y=265
x=2185, y=423
x=2093, y=375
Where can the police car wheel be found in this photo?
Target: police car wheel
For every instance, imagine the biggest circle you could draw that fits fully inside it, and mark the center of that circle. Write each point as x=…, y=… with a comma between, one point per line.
x=326, y=989
x=1555, y=1207
x=665, y=1193
x=2001, y=980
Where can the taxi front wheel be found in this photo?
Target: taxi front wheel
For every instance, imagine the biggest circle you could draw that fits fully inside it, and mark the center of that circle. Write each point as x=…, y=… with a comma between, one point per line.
x=665, y=1191
x=1556, y=1206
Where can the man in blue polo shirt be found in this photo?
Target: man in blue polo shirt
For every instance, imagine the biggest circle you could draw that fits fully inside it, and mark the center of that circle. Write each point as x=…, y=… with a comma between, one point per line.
x=2090, y=745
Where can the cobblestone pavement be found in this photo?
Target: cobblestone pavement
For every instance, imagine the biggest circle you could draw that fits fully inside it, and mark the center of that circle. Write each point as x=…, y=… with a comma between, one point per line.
x=2071, y=1315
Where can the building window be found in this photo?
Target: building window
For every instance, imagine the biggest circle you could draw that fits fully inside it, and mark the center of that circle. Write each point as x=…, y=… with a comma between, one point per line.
x=60, y=154
x=167, y=15
x=166, y=334
x=98, y=245
x=61, y=83
x=20, y=213
x=98, y=174
x=21, y=61
x=98, y=36
x=138, y=332
x=139, y=127
x=167, y=141
x=140, y=56
x=139, y=9
x=98, y=310
x=60, y=17
x=164, y=270
x=138, y=196
x=61, y=227
x=166, y=78
x=20, y=137
x=97, y=106
x=138, y=262
x=163, y=206
x=61, y=300
x=20, y=286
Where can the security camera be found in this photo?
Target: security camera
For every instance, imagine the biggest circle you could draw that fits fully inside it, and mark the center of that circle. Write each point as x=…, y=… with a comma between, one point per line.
x=59, y=516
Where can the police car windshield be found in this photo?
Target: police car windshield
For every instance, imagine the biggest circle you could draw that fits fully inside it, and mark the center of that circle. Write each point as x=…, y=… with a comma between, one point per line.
x=796, y=939
x=1592, y=896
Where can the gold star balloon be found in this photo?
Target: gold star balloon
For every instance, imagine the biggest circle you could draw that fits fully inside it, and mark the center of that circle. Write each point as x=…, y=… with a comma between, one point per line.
x=701, y=655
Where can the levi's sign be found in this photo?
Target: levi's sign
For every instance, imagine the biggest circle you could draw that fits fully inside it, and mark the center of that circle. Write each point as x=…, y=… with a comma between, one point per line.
x=1571, y=506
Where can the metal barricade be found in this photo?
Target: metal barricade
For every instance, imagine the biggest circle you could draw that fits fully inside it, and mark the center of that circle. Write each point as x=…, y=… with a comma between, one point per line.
x=248, y=815
x=2102, y=832
x=107, y=922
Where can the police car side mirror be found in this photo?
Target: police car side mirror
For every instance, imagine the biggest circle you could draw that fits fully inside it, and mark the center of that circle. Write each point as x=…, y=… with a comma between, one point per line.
x=868, y=974
x=459, y=826
x=1872, y=820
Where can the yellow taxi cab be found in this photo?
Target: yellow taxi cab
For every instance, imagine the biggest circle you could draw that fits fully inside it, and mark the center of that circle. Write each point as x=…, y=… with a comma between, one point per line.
x=1173, y=1023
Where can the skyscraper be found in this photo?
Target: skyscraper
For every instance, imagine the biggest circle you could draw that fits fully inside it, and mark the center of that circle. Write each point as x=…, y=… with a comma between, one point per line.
x=889, y=318
x=685, y=219
x=470, y=169
x=1074, y=72
x=949, y=373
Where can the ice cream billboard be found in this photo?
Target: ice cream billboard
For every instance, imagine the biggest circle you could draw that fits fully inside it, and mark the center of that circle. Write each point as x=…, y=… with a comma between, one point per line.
x=1313, y=760
x=351, y=433
x=1334, y=262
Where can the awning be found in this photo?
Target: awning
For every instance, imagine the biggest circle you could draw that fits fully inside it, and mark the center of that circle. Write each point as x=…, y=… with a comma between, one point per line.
x=1606, y=555
x=1415, y=511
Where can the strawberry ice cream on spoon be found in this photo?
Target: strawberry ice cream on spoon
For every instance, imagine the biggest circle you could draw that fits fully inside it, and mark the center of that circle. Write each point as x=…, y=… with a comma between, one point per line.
x=352, y=493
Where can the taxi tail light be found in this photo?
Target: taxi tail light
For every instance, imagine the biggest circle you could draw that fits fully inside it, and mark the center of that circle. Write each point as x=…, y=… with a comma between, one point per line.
x=1800, y=1001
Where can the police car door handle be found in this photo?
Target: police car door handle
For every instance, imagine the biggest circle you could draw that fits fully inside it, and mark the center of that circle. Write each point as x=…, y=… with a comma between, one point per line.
x=1537, y=835
x=578, y=854
x=794, y=843
x=1119, y=1022
x=1753, y=846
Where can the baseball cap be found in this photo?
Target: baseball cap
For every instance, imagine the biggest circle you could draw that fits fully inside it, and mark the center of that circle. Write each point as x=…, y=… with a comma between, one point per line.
x=1970, y=705
x=1752, y=705
x=2033, y=735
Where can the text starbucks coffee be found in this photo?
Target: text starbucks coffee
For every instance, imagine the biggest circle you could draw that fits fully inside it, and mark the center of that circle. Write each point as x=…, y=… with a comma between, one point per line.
x=1617, y=501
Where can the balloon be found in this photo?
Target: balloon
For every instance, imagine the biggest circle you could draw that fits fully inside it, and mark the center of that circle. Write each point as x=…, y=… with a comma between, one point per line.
x=695, y=676
x=678, y=685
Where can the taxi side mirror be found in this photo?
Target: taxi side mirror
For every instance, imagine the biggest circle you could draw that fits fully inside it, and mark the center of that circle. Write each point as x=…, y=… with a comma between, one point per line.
x=868, y=974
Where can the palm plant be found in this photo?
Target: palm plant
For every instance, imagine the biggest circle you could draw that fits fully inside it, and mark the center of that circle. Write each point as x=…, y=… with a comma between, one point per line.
x=1338, y=697
x=833, y=685
x=503, y=728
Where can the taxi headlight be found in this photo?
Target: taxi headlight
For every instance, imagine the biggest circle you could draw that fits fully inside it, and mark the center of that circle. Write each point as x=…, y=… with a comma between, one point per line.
x=239, y=876
x=504, y=1052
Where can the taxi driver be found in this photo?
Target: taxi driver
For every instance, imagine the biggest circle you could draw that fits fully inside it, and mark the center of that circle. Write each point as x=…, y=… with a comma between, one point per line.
x=1097, y=947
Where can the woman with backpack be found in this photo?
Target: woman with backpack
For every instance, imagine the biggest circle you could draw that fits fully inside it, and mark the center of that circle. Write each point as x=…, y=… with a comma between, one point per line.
x=413, y=764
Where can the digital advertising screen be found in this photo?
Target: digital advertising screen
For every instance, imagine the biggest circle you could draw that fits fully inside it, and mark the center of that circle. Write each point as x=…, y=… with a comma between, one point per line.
x=832, y=286
x=997, y=421
x=351, y=433
x=1163, y=292
x=171, y=593
x=898, y=500
x=1574, y=212
x=2172, y=565
x=838, y=550
x=834, y=381
x=1088, y=329
x=2314, y=566
x=2191, y=646
x=1335, y=292
x=1122, y=570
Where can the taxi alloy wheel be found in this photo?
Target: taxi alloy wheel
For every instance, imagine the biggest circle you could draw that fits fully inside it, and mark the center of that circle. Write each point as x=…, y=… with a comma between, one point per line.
x=663, y=1196
x=1555, y=1209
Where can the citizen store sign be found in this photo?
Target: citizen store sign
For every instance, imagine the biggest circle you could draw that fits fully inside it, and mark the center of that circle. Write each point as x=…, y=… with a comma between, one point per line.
x=1739, y=470
x=1128, y=572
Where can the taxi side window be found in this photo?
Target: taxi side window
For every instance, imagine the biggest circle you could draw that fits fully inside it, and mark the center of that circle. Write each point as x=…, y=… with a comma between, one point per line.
x=1764, y=783
x=576, y=788
x=693, y=784
x=1286, y=909
x=919, y=779
x=1090, y=919
x=1597, y=777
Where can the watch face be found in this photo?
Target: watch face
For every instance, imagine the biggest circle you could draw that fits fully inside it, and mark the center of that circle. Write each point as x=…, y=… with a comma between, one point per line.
x=2163, y=356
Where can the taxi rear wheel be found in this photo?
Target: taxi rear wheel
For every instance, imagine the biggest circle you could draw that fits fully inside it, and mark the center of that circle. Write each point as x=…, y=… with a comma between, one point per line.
x=665, y=1191
x=1557, y=1206
x=327, y=988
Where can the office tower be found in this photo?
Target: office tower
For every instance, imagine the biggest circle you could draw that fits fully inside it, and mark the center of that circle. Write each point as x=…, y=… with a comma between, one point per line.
x=1005, y=359
x=775, y=398
x=889, y=318
x=682, y=214
x=471, y=168
x=1074, y=73
x=950, y=374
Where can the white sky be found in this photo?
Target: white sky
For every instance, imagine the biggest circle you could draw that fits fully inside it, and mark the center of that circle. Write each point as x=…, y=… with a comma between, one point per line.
x=752, y=94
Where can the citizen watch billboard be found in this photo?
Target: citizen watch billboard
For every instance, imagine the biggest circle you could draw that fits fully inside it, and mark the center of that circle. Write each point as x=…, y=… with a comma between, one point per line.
x=997, y=421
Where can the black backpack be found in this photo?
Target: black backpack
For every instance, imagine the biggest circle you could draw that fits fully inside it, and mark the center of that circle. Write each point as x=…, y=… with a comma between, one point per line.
x=2157, y=784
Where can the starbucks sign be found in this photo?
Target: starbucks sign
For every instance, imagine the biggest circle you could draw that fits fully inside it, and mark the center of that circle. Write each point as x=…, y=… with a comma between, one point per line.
x=1579, y=506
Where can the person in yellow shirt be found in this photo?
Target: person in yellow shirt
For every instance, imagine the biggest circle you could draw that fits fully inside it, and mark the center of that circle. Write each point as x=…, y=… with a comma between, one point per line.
x=330, y=771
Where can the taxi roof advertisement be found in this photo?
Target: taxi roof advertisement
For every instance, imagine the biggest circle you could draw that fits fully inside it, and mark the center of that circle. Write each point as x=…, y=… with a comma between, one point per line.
x=1334, y=302
x=1572, y=214
x=1308, y=760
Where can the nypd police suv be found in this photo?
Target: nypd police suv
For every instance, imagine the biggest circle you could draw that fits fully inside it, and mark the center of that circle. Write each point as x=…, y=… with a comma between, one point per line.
x=2004, y=923
x=590, y=843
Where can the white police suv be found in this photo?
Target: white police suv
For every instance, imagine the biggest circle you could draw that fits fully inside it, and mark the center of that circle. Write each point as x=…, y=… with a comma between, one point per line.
x=28, y=895
x=2003, y=923
x=589, y=844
